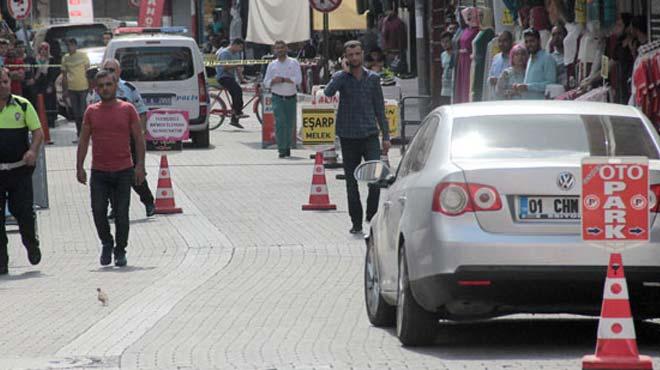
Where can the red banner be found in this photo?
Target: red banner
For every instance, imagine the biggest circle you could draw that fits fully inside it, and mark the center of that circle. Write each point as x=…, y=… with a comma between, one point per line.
x=151, y=13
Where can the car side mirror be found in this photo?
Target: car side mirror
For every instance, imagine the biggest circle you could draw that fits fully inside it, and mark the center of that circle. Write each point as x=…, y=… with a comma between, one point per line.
x=374, y=172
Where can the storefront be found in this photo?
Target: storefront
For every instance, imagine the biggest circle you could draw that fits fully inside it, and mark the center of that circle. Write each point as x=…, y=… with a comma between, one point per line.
x=594, y=33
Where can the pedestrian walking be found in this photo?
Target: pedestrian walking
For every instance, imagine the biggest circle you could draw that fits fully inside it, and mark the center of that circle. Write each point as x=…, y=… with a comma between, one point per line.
x=110, y=124
x=74, y=81
x=282, y=77
x=18, y=158
x=127, y=92
x=360, y=117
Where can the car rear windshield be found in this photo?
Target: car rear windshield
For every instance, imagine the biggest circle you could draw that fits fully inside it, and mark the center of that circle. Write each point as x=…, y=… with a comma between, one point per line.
x=550, y=136
x=87, y=36
x=157, y=63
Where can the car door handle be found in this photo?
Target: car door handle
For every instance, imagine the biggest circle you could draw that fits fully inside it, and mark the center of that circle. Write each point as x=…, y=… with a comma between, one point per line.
x=387, y=204
x=402, y=199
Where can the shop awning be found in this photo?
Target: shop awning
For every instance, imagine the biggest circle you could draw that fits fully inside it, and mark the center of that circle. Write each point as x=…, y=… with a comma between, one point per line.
x=344, y=18
x=271, y=20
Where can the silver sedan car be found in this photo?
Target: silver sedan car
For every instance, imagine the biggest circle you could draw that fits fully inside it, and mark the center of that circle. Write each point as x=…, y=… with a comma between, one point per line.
x=482, y=217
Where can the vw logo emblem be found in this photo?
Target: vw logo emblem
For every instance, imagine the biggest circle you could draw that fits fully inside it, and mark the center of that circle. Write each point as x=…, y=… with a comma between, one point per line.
x=565, y=181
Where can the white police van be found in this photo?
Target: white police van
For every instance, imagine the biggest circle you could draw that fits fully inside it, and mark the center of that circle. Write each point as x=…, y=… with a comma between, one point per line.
x=168, y=71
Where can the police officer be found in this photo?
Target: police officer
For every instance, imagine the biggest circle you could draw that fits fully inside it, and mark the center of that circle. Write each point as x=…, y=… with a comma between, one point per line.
x=129, y=93
x=17, y=161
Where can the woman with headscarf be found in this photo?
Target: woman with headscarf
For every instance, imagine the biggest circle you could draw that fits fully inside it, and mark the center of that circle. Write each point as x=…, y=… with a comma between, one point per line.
x=464, y=61
x=512, y=75
x=44, y=77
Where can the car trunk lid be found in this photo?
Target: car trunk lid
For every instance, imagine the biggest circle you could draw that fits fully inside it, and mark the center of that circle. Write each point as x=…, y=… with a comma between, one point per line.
x=538, y=196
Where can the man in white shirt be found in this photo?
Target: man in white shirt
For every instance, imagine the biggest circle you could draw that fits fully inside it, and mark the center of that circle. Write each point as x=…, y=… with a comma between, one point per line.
x=282, y=77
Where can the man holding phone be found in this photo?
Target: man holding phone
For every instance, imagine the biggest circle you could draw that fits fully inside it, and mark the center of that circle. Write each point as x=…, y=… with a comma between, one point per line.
x=360, y=118
x=282, y=77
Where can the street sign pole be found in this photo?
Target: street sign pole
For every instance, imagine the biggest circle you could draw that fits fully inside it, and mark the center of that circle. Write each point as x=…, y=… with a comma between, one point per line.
x=326, y=46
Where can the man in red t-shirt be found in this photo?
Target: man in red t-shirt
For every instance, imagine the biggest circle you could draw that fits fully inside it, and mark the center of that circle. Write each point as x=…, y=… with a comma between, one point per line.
x=110, y=124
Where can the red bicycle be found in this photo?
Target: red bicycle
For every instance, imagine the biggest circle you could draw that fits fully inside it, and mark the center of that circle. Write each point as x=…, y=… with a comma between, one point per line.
x=221, y=105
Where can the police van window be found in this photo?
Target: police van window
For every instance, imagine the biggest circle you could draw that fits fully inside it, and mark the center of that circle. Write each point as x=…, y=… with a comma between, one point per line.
x=155, y=63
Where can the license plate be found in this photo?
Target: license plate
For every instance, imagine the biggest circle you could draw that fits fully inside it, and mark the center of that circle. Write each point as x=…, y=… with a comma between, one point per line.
x=548, y=208
x=157, y=100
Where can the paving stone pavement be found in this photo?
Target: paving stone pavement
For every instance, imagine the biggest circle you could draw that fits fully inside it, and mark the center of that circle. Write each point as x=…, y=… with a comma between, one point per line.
x=243, y=279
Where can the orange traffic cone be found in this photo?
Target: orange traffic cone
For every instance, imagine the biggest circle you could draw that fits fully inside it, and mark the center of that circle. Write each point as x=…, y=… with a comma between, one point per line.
x=164, y=194
x=319, y=200
x=616, y=347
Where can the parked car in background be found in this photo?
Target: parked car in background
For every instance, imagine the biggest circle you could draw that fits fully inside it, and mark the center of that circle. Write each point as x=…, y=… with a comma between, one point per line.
x=482, y=218
x=90, y=42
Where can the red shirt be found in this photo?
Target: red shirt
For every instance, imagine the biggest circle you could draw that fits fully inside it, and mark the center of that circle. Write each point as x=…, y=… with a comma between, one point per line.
x=110, y=124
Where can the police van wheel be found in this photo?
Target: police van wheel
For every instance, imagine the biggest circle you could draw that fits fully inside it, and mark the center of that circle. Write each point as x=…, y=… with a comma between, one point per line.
x=200, y=138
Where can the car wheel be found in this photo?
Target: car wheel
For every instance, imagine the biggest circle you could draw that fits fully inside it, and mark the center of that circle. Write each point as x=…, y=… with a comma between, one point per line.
x=201, y=138
x=414, y=325
x=381, y=313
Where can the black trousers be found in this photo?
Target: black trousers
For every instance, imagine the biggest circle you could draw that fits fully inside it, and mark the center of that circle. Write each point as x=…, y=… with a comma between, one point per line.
x=16, y=187
x=105, y=186
x=353, y=151
x=235, y=91
x=146, y=196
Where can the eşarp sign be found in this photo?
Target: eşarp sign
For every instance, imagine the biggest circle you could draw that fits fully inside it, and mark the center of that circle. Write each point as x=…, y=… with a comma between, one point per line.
x=318, y=126
x=151, y=13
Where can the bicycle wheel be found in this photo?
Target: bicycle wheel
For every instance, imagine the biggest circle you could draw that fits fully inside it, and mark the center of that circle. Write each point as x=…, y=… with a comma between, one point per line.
x=257, y=107
x=218, y=113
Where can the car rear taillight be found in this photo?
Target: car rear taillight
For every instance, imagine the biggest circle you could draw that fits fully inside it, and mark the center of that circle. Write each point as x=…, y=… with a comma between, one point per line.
x=456, y=198
x=654, y=195
x=201, y=82
x=203, y=96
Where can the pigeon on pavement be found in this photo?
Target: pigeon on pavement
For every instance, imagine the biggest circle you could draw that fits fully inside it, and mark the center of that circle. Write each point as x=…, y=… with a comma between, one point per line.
x=103, y=298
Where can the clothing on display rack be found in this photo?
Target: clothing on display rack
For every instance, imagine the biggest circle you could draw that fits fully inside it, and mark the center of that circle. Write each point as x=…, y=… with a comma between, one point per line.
x=646, y=82
x=539, y=21
x=581, y=11
x=479, y=51
x=646, y=86
x=464, y=60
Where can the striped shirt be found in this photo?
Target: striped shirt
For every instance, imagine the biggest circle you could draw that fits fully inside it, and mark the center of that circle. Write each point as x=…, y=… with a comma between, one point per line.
x=361, y=111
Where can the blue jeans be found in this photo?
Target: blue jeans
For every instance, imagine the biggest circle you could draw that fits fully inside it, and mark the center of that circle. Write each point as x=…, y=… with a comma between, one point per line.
x=353, y=151
x=107, y=186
